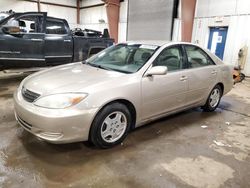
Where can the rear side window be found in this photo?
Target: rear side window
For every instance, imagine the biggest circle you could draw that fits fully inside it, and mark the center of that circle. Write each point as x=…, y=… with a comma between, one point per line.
x=55, y=27
x=197, y=57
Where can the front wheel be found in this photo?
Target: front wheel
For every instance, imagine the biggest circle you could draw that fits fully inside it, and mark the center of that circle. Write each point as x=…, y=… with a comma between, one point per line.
x=110, y=126
x=213, y=99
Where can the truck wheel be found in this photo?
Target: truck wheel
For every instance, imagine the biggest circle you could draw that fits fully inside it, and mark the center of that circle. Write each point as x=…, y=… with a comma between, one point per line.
x=242, y=77
x=110, y=126
x=213, y=99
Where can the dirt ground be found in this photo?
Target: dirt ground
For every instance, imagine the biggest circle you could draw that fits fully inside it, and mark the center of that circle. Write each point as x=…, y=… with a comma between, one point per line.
x=189, y=149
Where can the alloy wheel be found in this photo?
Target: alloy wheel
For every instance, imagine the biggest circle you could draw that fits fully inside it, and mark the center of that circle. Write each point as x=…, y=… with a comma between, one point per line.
x=114, y=126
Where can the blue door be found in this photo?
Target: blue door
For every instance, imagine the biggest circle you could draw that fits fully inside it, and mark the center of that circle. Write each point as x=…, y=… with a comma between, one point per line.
x=217, y=40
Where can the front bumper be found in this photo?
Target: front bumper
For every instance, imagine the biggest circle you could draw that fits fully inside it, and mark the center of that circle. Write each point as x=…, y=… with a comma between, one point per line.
x=54, y=125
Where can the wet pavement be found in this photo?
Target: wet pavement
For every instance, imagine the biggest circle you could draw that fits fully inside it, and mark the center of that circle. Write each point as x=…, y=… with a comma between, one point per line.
x=189, y=149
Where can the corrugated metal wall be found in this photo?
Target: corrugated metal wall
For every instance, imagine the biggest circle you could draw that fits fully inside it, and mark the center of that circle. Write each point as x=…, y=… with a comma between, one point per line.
x=232, y=13
x=61, y=12
x=149, y=19
x=90, y=18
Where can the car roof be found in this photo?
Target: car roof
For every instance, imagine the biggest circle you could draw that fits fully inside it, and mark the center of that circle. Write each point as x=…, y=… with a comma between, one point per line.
x=20, y=13
x=165, y=42
x=158, y=42
x=149, y=42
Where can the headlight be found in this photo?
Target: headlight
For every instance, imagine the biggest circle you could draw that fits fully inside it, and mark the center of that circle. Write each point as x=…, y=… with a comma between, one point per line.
x=60, y=101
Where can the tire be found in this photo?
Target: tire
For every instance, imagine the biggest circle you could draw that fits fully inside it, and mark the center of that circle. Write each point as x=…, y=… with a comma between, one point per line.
x=1, y=67
x=213, y=99
x=110, y=126
x=242, y=77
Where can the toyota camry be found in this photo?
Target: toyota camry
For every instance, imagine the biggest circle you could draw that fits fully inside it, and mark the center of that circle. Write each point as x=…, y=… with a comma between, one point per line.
x=120, y=88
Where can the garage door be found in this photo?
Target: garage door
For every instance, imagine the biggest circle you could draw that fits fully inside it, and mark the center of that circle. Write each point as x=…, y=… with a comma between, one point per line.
x=150, y=19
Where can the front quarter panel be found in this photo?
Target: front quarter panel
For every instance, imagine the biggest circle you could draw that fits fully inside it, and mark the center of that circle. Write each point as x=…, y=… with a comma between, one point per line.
x=125, y=88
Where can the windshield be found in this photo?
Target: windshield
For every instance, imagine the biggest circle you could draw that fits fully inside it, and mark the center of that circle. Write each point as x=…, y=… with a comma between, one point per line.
x=127, y=58
x=3, y=15
x=4, y=20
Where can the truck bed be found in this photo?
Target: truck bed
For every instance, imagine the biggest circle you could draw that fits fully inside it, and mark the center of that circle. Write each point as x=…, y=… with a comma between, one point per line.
x=85, y=46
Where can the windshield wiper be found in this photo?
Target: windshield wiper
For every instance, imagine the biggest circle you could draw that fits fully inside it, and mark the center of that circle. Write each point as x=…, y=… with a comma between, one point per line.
x=105, y=68
x=98, y=66
x=122, y=71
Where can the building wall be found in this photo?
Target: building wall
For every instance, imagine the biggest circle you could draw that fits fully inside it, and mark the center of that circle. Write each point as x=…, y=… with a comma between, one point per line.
x=70, y=14
x=90, y=18
x=17, y=6
x=122, y=32
x=96, y=17
x=154, y=23
x=55, y=11
x=177, y=29
x=232, y=13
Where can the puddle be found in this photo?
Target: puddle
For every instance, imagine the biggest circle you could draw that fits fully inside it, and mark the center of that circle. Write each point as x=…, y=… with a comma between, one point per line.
x=200, y=171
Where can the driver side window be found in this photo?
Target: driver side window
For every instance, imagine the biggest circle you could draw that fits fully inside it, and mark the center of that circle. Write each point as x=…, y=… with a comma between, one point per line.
x=27, y=24
x=171, y=58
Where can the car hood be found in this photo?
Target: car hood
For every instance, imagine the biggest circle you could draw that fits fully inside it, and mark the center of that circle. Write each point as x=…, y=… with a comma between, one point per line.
x=76, y=77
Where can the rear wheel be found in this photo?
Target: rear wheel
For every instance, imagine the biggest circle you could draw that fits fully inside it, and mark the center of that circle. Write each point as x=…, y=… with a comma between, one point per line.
x=213, y=99
x=1, y=67
x=110, y=126
x=242, y=77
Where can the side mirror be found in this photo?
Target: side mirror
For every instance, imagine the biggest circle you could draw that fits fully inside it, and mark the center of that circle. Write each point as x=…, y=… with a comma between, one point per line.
x=12, y=30
x=157, y=70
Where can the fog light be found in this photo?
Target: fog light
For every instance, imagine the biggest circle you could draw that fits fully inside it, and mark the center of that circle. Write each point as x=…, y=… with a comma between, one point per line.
x=50, y=135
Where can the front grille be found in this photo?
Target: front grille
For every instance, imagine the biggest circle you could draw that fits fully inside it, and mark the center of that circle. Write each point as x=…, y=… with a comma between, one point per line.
x=28, y=95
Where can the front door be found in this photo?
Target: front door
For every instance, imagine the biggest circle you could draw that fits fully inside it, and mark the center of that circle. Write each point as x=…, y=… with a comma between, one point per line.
x=217, y=40
x=26, y=48
x=165, y=93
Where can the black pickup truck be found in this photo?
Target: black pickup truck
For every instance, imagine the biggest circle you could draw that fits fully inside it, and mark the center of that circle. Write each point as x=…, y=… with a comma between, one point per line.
x=33, y=39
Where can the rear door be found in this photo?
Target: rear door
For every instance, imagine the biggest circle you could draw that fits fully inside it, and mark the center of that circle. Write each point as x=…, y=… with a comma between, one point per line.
x=58, y=42
x=26, y=48
x=202, y=74
x=165, y=93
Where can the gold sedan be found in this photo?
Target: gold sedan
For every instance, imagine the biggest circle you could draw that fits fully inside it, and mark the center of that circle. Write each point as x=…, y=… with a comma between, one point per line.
x=120, y=88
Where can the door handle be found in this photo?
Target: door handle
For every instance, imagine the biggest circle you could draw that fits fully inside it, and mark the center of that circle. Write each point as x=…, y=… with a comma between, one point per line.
x=214, y=72
x=37, y=40
x=66, y=40
x=183, y=78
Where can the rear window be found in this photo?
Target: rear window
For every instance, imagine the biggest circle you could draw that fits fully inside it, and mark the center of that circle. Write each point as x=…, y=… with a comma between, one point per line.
x=55, y=27
x=95, y=50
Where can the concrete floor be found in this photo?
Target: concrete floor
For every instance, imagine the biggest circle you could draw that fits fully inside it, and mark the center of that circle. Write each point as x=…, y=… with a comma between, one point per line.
x=190, y=149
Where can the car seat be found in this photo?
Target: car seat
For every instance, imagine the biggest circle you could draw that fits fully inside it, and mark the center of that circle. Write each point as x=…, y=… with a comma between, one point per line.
x=22, y=26
x=145, y=56
x=32, y=27
x=170, y=60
